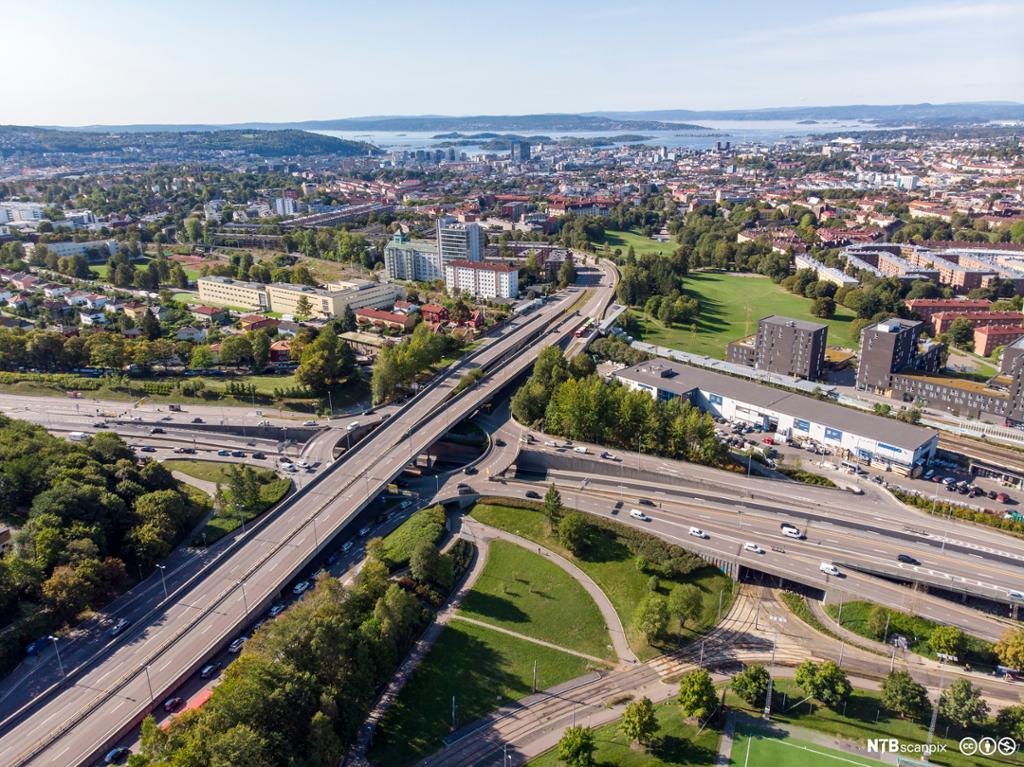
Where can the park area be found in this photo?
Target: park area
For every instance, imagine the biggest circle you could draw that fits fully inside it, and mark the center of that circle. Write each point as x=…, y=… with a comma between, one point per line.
x=776, y=748
x=731, y=305
x=484, y=658
x=641, y=245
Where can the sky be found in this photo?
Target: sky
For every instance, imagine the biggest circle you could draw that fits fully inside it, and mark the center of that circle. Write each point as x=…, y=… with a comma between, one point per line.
x=80, y=62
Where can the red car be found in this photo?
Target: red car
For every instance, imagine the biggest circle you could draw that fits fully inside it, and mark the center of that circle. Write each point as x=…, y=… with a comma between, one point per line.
x=768, y=441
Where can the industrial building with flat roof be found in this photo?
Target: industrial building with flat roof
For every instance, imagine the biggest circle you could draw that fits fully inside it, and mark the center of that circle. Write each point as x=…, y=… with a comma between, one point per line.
x=883, y=442
x=324, y=303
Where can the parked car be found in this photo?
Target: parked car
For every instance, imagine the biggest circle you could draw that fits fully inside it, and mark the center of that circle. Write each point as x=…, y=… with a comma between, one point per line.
x=300, y=588
x=117, y=755
x=276, y=610
x=347, y=546
x=237, y=645
x=172, y=704
x=363, y=532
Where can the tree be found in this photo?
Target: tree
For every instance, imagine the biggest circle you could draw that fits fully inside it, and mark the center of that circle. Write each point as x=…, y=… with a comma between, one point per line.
x=948, y=640
x=575, y=532
x=235, y=350
x=576, y=747
x=193, y=229
x=424, y=562
x=685, y=603
x=961, y=704
x=260, y=343
x=697, y=696
x=202, y=357
x=303, y=308
x=961, y=333
x=1010, y=722
x=651, y=616
x=751, y=684
x=825, y=682
x=553, y=506
x=150, y=326
x=824, y=307
x=903, y=696
x=639, y=723
x=1010, y=648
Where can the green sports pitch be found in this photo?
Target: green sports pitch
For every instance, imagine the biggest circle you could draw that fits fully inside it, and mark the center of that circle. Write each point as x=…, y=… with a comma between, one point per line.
x=756, y=750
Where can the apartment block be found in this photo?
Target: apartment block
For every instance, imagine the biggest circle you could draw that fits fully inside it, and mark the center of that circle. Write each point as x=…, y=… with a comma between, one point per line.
x=783, y=345
x=942, y=321
x=894, y=346
x=457, y=241
x=225, y=291
x=927, y=308
x=484, y=280
x=418, y=260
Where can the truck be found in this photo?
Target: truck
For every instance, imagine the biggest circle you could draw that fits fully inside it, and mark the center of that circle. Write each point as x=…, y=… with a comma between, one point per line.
x=580, y=449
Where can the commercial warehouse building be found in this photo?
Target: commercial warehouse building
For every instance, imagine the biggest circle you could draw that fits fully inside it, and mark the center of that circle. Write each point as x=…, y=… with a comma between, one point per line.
x=882, y=442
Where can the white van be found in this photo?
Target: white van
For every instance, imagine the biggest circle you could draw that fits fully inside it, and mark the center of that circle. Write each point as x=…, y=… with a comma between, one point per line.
x=580, y=449
x=637, y=514
x=76, y=436
x=792, y=532
x=828, y=568
x=353, y=425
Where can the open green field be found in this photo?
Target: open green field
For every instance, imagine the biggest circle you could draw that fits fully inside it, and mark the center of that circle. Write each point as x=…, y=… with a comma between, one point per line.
x=678, y=745
x=482, y=669
x=613, y=567
x=864, y=718
x=641, y=245
x=522, y=591
x=731, y=305
x=425, y=525
x=749, y=749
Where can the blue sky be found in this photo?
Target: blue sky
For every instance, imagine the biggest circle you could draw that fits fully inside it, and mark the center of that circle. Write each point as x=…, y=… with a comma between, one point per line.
x=73, y=62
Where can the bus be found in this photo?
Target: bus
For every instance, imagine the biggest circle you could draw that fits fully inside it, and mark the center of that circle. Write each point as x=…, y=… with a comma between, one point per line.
x=582, y=329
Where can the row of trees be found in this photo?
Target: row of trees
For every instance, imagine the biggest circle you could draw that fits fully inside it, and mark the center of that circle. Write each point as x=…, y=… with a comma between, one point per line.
x=399, y=365
x=586, y=408
x=304, y=683
x=88, y=519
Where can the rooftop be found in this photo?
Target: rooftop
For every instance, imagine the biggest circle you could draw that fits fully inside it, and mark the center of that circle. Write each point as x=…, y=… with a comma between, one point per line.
x=776, y=319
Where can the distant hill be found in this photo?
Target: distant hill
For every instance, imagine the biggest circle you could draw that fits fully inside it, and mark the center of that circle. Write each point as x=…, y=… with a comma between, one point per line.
x=973, y=112
x=263, y=143
x=436, y=123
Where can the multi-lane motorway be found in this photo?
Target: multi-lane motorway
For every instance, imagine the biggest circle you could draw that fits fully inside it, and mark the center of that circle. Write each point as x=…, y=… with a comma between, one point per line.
x=75, y=720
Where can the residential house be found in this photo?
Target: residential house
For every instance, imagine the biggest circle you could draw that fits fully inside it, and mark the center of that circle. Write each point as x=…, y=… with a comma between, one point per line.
x=390, y=320
x=190, y=333
x=434, y=313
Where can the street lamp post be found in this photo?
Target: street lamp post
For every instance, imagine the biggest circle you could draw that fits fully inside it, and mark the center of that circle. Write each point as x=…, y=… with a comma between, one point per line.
x=56, y=649
x=163, y=580
x=245, y=601
x=149, y=683
x=771, y=677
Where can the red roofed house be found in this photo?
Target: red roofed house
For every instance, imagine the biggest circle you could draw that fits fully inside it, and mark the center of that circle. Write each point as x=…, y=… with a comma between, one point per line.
x=942, y=321
x=382, y=319
x=433, y=313
x=990, y=337
x=280, y=351
x=926, y=308
x=256, y=322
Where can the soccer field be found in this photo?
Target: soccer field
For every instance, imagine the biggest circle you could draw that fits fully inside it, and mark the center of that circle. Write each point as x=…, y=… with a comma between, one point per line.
x=754, y=750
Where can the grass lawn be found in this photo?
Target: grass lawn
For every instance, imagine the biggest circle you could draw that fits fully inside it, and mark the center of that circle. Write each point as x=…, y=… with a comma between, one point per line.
x=425, y=525
x=731, y=305
x=762, y=748
x=859, y=724
x=613, y=568
x=678, y=745
x=641, y=245
x=482, y=669
x=856, y=618
x=522, y=591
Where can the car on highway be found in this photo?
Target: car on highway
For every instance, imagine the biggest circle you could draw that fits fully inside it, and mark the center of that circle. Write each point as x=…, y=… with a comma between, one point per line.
x=532, y=494
x=646, y=502
x=637, y=514
x=907, y=559
x=147, y=449
x=197, y=419
x=309, y=423
x=793, y=532
x=300, y=588
x=470, y=470
x=117, y=755
x=223, y=452
x=172, y=704
x=347, y=546
x=696, y=532
x=157, y=430
x=499, y=442
x=828, y=568
x=209, y=670
x=1015, y=595
x=749, y=546
x=259, y=456
x=352, y=426
x=238, y=453
x=463, y=489
x=363, y=532
x=120, y=627
x=237, y=645
x=276, y=610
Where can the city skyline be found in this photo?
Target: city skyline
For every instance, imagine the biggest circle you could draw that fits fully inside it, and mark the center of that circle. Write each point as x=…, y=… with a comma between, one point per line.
x=126, y=65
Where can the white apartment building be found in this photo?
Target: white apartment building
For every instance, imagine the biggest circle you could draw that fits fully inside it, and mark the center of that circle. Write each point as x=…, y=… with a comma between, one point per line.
x=285, y=206
x=483, y=280
x=458, y=242
x=225, y=291
x=63, y=249
x=11, y=212
x=324, y=303
x=417, y=260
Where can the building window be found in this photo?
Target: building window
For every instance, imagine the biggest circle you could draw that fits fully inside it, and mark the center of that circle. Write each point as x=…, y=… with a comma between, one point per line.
x=715, y=399
x=833, y=434
x=801, y=425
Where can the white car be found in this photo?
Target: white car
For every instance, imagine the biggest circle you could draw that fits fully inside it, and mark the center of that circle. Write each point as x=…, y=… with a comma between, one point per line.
x=300, y=588
x=696, y=532
x=637, y=514
x=353, y=425
x=346, y=546
x=748, y=546
x=309, y=423
x=828, y=568
x=237, y=645
x=1018, y=596
x=363, y=532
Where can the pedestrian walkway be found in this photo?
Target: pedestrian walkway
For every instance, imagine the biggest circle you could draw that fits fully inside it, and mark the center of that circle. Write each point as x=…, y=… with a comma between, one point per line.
x=210, y=488
x=525, y=638
x=724, y=756
x=611, y=617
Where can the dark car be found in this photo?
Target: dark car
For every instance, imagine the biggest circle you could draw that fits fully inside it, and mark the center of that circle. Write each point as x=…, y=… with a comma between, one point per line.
x=119, y=627
x=332, y=559
x=148, y=449
x=646, y=502
x=238, y=454
x=907, y=559
x=157, y=430
x=532, y=494
x=471, y=470
x=117, y=755
x=259, y=456
x=197, y=420
x=172, y=704
x=499, y=442
x=209, y=670
x=465, y=490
